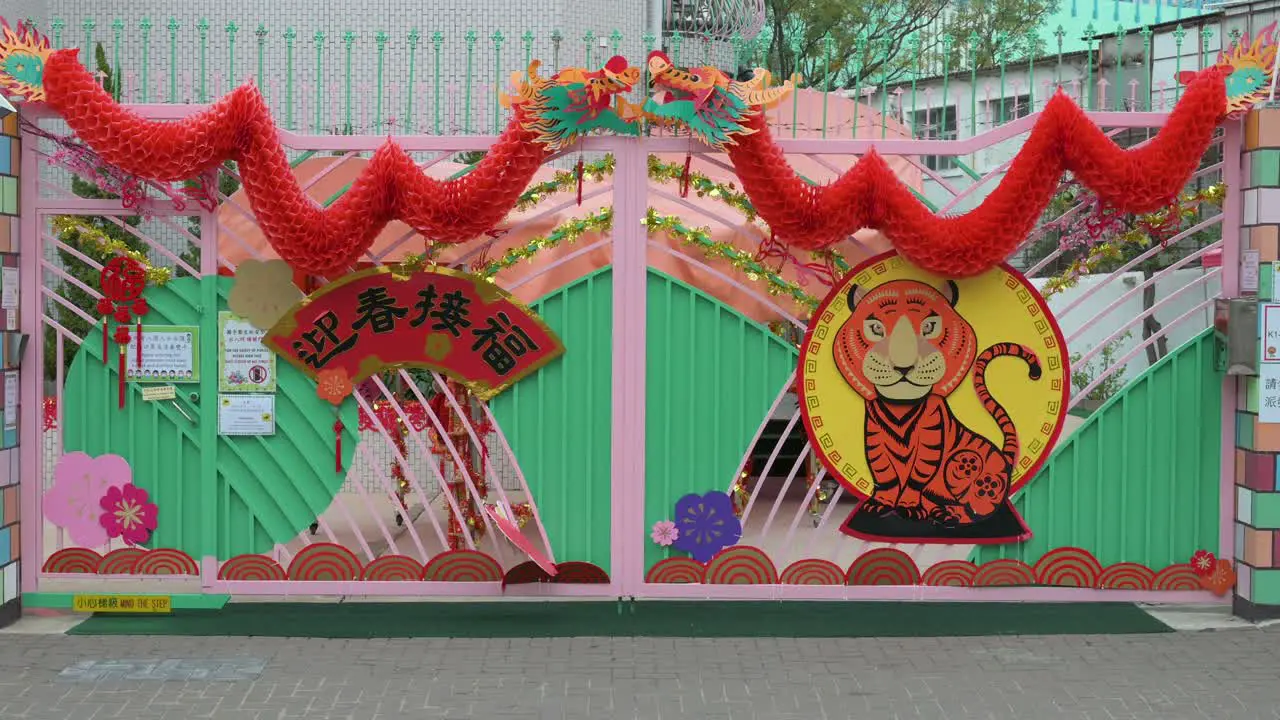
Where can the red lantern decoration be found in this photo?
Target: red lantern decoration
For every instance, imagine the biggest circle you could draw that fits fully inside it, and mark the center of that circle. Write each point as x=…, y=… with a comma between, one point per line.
x=122, y=281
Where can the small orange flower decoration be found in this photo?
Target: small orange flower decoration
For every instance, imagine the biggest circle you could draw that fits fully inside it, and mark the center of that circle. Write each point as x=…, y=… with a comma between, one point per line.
x=334, y=385
x=1222, y=579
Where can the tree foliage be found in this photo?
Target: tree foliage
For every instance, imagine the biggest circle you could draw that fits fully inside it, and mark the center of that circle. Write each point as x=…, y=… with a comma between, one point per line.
x=837, y=44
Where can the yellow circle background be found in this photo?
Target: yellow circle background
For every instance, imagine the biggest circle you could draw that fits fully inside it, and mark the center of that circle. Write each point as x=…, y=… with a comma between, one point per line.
x=1002, y=307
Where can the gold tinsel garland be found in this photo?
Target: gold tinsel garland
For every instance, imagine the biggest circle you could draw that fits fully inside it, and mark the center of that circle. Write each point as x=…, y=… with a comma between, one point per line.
x=1182, y=210
x=102, y=247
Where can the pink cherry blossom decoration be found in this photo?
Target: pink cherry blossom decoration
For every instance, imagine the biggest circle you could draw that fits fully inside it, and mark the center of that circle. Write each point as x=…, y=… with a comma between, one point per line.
x=128, y=515
x=79, y=482
x=665, y=533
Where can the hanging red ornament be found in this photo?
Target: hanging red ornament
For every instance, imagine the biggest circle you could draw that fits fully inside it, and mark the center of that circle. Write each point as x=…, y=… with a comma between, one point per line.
x=122, y=281
x=684, y=175
x=122, y=340
x=579, y=172
x=337, y=443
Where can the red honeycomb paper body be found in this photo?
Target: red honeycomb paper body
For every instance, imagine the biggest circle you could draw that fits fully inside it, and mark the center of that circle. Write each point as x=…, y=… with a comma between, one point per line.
x=316, y=240
x=868, y=195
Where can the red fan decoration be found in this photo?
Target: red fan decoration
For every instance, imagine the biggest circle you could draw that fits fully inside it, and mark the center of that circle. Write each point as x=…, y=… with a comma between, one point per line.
x=122, y=281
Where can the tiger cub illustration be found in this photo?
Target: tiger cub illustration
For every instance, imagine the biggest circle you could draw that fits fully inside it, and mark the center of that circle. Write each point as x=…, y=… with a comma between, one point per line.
x=905, y=349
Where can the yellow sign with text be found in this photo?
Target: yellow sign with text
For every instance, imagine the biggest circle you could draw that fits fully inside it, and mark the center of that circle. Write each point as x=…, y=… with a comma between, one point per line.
x=122, y=603
x=159, y=392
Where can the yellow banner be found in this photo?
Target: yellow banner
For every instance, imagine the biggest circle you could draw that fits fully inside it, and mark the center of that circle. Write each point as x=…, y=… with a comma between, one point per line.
x=122, y=603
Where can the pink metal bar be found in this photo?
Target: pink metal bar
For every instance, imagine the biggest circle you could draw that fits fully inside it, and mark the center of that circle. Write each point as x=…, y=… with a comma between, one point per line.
x=925, y=593
x=70, y=306
x=782, y=493
x=50, y=267
x=74, y=253
x=543, y=270
x=485, y=245
x=822, y=522
x=1155, y=278
x=804, y=505
x=1141, y=347
x=777, y=400
x=660, y=247
x=1088, y=355
x=31, y=382
x=1146, y=255
x=409, y=588
x=389, y=487
x=768, y=465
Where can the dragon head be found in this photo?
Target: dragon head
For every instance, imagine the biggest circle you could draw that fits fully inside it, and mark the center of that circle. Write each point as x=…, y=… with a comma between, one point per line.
x=575, y=102
x=1248, y=66
x=23, y=56
x=712, y=105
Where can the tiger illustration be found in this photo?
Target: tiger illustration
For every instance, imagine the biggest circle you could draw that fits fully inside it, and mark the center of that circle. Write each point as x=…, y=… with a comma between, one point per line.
x=905, y=349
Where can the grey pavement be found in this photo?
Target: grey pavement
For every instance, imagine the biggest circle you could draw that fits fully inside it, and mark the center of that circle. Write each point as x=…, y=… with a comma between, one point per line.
x=1232, y=673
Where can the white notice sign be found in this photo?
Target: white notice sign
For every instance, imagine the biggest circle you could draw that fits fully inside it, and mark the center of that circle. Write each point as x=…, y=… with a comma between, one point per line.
x=1270, y=333
x=169, y=354
x=9, y=292
x=1269, y=393
x=244, y=363
x=247, y=414
x=10, y=400
x=1249, y=262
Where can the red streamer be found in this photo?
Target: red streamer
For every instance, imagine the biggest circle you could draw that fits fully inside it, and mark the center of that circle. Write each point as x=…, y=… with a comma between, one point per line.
x=580, y=170
x=320, y=241
x=684, y=175
x=105, y=346
x=138, y=339
x=120, y=389
x=337, y=442
x=869, y=195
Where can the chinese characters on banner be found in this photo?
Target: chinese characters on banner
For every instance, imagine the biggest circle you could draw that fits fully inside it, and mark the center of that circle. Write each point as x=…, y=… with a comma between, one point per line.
x=1269, y=368
x=440, y=319
x=170, y=354
x=244, y=363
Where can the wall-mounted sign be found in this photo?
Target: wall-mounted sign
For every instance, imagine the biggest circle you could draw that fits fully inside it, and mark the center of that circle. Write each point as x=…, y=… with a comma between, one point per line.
x=159, y=392
x=439, y=319
x=170, y=354
x=933, y=400
x=122, y=603
x=244, y=363
x=246, y=414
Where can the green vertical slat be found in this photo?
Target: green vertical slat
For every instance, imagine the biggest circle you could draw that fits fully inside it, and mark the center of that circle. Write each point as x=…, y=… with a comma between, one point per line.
x=701, y=415
x=558, y=422
x=1138, y=481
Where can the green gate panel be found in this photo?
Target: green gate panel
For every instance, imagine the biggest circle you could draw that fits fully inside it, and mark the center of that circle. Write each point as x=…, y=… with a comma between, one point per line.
x=712, y=375
x=558, y=422
x=1138, y=481
x=217, y=495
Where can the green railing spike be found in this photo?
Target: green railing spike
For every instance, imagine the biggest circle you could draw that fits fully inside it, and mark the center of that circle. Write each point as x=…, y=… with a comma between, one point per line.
x=145, y=26
x=415, y=38
x=828, y=47
x=497, y=37
x=89, y=25
x=290, y=35
x=615, y=40
x=318, y=38
x=349, y=41
x=527, y=38
x=117, y=31
x=1059, y=34
x=974, y=41
x=202, y=28
x=1033, y=46
x=232, y=28
x=470, y=37
x=173, y=59
x=58, y=24
x=261, y=34
x=557, y=37
x=948, y=42
x=588, y=41
x=380, y=39
x=1089, y=34
x=1178, y=35
x=1206, y=34
x=1121, y=33
x=437, y=41
x=1146, y=34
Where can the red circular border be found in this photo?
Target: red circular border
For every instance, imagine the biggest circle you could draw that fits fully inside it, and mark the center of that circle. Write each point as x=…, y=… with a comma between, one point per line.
x=1027, y=477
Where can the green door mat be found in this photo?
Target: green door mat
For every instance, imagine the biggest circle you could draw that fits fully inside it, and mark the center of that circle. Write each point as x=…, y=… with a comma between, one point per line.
x=640, y=619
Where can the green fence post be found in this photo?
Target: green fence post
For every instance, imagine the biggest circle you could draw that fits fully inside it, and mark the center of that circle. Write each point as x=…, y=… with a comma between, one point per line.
x=1033, y=45
x=1002, y=57
x=557, y=37
x=676, y=41
x=380, y=39
x=290, y=35
x=527, y=38
x=1146, y=33
x=1178, y=35
x=913, y=43
x=1120, y=37
x=319, y=40
x=437, y=39
x=145, y=25
x=232, y=28
x=1206, y=34
x=415, y=37
x=497, y=37
x=1060, y=34
x=202, y=28
x=796, y=44
x=828, y=47
x=117, y=31
x=57, y=26
x=974, y=40
x=588, y=41
x=1089, y=35
x=471, y=36
x=857, y=81
x=173, y=59
x=615, y=41
x=86, y=57
x=948, y=42
x=349, y=39
x=261, y=34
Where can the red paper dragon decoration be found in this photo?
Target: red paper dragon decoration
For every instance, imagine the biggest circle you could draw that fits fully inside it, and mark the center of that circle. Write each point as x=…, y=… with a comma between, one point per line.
x=714, y=108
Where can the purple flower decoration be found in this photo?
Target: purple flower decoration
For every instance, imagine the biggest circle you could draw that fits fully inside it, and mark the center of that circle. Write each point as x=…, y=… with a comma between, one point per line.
x=706, y=524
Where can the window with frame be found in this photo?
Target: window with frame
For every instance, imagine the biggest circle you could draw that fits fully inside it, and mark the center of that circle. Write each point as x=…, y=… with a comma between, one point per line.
x=936, y=124
x=1006, y=110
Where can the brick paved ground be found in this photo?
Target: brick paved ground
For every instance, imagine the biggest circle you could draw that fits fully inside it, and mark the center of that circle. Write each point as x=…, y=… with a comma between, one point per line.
x=1215, y=674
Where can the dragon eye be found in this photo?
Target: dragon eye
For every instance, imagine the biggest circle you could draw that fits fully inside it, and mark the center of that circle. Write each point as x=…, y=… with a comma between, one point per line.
x=873, y=329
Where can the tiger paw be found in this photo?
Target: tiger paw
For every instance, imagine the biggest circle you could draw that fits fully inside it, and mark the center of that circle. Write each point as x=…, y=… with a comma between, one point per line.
x=987, y=494
x=946, y=516
x=911, y=512
x=872, y=506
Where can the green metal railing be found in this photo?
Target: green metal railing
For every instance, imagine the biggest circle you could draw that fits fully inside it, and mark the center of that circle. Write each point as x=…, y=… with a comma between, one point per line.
x=452, y=87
